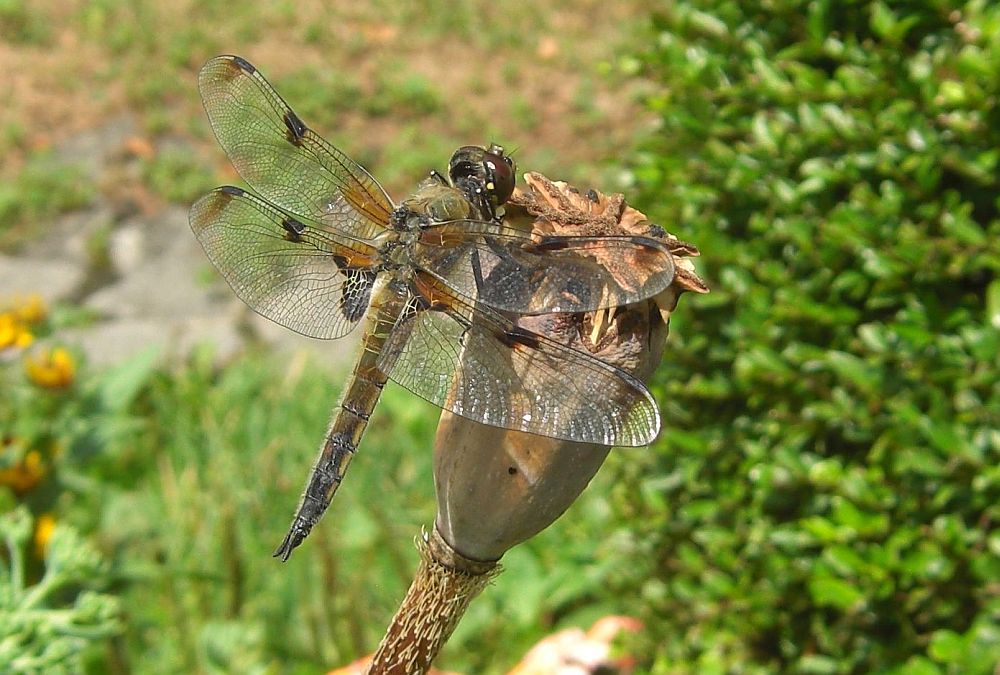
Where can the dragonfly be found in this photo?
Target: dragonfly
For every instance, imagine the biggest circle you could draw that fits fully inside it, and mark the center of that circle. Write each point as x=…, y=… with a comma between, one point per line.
x=439, y=281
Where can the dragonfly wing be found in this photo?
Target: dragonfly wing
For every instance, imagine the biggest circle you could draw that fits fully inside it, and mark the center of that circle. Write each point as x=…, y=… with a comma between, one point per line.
x=282, y=159
x=481, y=365
x=512, y=271
x=301, y=274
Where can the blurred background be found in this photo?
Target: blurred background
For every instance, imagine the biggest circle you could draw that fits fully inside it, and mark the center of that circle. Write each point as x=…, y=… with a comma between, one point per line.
x=824, y=496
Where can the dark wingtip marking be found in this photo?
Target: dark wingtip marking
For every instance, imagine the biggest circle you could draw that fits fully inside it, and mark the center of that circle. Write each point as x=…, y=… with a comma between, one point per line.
x=293, y=229
x=244, y=65
x=552, y=244
x=653, y=246
x=231, y=190
x=296, y=128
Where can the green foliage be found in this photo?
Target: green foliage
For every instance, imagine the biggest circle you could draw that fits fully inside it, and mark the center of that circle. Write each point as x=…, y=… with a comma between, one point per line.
x=177, y=175
x=185, y=479
x=20, y=23
x=196, y=528
x=826, y=494
x=403, y=94
x=52, y=624
x=44, y=188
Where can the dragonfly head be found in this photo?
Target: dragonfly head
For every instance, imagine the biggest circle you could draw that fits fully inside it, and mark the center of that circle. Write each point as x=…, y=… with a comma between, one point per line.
x=489, y=168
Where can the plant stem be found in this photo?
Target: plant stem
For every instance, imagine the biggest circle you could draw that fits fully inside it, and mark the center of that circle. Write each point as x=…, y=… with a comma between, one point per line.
x=444, y=585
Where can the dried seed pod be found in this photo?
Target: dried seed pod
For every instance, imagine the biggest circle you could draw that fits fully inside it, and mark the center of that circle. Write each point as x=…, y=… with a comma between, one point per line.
x=496, y=487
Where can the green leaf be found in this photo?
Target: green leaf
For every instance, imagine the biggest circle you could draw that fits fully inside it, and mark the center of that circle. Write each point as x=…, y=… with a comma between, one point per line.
x=118, y=387
x=836, y=593
x=947, y=646
x=993, y=304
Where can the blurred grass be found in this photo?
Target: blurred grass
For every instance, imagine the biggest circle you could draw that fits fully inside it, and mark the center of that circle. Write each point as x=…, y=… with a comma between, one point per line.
x=187, y=477
x=201, y=520
x=397, y=86
x=43, y=189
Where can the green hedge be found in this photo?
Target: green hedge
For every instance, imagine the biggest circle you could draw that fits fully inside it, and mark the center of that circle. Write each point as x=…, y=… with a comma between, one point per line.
x=824, y=498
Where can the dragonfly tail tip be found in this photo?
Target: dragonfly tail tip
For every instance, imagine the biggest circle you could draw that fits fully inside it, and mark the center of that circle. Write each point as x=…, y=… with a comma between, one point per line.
x=284, y=550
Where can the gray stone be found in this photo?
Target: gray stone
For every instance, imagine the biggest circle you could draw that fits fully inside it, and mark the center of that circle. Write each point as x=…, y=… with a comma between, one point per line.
x=125, y=248
x=111, y=342
x=71, y=237
x=93, y=149
x=51, y=279
x=164, y=262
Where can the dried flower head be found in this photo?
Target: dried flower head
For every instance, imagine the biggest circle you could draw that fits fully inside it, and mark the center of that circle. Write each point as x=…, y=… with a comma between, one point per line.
x=498, y=487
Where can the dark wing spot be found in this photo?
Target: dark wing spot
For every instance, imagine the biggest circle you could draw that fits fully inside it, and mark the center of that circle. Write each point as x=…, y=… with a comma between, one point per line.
x=296, y=128
x=234, y=191
x=518, y=337
x=293, y=229
x=552, y=244
x=244, y=65
x=477, y=269
x=357, y=293
x=657, y=231
x=592, y=196
x=511, y=470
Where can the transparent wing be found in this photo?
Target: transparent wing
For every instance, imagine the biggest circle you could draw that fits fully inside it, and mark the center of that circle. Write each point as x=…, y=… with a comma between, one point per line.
x=287, y=163
x=302, y=275
x=512, y=271
x=480, y=365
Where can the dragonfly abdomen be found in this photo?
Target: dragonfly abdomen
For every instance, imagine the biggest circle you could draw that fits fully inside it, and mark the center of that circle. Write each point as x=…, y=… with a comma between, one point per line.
x=347, y=426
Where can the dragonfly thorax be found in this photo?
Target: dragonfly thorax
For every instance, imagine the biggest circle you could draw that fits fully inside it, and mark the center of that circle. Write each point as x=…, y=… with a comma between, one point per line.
x=434, y=203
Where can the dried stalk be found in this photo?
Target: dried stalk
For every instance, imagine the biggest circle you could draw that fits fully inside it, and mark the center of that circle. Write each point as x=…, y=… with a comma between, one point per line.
x=436, y=601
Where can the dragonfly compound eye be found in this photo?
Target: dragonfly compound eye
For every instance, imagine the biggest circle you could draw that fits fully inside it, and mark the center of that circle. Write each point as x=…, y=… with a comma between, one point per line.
x=499, y=174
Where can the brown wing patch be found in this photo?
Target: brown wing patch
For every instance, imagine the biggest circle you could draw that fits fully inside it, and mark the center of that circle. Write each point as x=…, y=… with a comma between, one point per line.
x=431, y=293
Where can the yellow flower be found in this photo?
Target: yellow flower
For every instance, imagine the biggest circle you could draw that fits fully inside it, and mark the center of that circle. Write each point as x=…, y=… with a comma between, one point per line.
x=52, y=369
x=13, y=333
x=24, y=339
x=44, y=527
x=31, y=309
x=9, y=329
x=25, y=475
